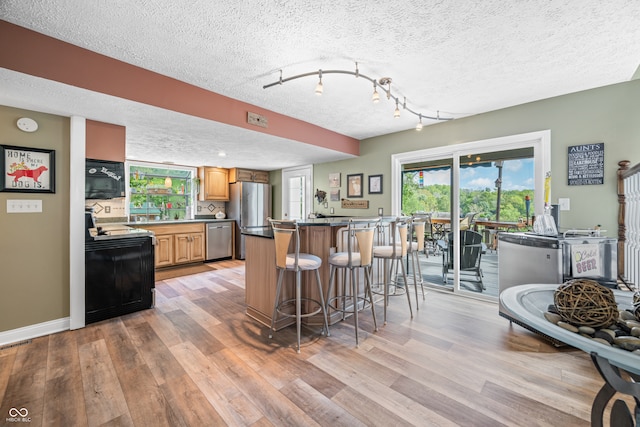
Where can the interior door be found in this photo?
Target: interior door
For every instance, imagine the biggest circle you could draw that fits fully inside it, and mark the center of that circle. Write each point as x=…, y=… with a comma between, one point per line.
x=296, y=192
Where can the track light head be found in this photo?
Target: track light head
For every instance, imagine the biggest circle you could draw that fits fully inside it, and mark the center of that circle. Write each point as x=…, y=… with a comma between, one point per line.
x=375, y=97
x=319, y=87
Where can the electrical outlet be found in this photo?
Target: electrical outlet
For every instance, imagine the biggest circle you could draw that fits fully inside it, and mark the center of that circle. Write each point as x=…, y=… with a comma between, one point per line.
x=564, y=204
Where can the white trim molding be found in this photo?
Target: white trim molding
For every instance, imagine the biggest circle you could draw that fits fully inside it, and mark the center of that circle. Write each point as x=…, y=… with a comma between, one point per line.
x=34, y=331
x=540, y=141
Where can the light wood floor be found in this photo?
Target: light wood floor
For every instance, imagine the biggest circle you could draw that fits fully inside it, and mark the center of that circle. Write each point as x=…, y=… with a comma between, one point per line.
x=198, y=360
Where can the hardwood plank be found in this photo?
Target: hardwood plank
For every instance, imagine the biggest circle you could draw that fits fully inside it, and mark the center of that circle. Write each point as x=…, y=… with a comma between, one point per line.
x=147, y=404
x=530, y=411
x=26, y=385
x=318, y=406
x=190, y=330
x=6, y=365
x=64, y=381
x=192, y=309
x=122, y=349
x=369, y=411
x=384, y=396
x=188, y=404
x=275, y=406
x=102, y=392
x=220, y=391
x=157, y=356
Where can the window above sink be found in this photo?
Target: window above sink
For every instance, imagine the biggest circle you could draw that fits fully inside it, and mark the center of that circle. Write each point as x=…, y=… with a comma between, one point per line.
x=160, y=192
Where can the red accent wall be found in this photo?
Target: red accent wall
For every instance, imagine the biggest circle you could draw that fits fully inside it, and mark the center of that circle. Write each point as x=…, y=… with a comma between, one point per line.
x=36, y=54
x=105, y=141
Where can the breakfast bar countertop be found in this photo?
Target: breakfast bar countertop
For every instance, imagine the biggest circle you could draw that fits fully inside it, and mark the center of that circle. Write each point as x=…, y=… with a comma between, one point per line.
x=330, y=221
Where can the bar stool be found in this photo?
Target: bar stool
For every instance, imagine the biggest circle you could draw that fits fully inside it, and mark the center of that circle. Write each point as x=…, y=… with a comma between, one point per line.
x=284, y=232
x=359, y=254
x=396, y=250
x=414, y=247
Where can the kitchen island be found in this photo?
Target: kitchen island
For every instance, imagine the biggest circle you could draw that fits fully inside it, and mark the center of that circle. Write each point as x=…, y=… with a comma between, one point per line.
x=318, y=236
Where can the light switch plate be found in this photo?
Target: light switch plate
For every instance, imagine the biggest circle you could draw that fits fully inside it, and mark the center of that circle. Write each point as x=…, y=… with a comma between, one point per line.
x=564, y=204
x=24, y=206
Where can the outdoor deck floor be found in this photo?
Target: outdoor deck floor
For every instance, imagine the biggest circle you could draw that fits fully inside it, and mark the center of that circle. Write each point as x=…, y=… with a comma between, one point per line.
x=431, y=268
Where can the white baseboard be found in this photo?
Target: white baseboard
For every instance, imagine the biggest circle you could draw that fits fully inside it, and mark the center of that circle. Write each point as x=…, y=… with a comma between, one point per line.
x=34, y=331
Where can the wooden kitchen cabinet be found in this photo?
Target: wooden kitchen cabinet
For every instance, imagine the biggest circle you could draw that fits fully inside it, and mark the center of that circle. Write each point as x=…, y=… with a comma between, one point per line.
x=189, y=247
x=247, y=175
x=164, y=250
x=214, y=183
x=178, y=243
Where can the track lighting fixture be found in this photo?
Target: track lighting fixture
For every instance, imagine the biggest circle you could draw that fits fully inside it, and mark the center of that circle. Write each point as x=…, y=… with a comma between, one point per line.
x=375, y=97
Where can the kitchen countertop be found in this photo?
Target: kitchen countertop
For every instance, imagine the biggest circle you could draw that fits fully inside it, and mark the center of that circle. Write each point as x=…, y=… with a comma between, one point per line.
x=327, y=221
x=174, y=221
x=117, y=231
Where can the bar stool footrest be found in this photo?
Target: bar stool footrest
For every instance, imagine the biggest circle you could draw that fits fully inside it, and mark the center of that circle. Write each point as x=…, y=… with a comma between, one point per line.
x=362, y=302
x=292, y=303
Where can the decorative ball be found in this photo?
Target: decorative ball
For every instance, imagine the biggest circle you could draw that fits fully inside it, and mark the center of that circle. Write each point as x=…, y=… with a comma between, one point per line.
x=585, y=302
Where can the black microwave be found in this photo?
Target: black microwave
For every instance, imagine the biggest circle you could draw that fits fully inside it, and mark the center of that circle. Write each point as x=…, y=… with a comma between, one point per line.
x=104, y=179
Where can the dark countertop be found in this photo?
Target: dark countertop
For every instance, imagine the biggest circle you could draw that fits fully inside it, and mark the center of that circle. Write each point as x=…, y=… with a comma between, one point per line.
x=334, y=221
x=338, y=220
x=266, y=232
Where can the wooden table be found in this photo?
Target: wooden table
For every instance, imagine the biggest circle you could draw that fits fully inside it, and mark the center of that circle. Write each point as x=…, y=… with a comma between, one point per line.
x=497, y=226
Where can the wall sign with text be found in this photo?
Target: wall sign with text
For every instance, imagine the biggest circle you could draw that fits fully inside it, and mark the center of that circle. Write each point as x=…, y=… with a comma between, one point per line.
x=586, y=164
x=27, y=170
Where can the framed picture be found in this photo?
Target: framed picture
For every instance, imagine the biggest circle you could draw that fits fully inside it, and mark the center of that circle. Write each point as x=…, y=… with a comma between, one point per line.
x=27, y=170
x=334, y=195
x=375, y=184
x=334, y=180
x=354, y=185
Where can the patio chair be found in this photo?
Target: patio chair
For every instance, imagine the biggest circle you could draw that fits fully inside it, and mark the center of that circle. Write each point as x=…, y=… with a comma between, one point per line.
x=467, y=222
x=470, y=255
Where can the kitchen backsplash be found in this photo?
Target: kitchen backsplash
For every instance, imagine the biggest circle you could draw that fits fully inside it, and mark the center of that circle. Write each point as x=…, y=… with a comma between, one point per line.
x=113, y=210
x=110, y=210
x=208, y=208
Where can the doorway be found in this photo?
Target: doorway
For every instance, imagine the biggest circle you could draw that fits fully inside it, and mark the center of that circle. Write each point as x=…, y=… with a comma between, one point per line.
x=448, y=169
x=296, y=192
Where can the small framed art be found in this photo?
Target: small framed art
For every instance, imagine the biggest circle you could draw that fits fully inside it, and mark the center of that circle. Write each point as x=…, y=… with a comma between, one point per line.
x=354, y=185
x=334, y=180
x=375, y=184
x=27, y=170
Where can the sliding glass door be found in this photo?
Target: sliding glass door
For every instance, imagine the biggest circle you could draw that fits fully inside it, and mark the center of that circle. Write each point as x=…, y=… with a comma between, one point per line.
x=473, y=192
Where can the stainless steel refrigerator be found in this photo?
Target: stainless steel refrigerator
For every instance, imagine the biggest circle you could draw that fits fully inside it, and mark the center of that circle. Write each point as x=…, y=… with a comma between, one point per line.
x=249, y=206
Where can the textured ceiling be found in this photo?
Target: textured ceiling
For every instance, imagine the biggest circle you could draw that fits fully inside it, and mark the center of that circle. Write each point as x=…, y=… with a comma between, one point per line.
x=457, y=58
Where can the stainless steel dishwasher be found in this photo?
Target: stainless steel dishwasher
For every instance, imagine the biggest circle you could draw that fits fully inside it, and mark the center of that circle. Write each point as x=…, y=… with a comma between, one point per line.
x=219, y=240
